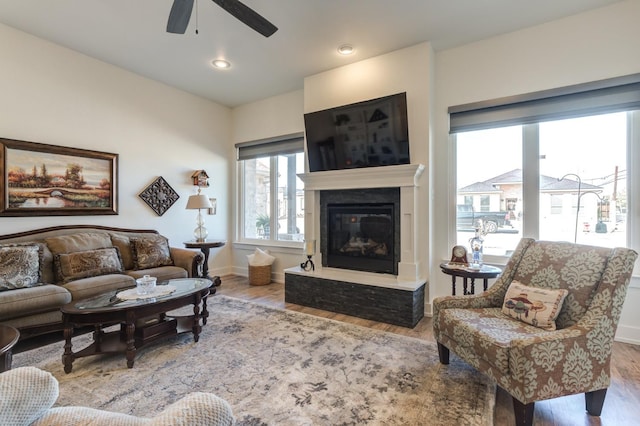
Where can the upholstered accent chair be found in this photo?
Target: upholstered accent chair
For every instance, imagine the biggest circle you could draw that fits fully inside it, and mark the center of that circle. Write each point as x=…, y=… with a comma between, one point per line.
x=532, y=363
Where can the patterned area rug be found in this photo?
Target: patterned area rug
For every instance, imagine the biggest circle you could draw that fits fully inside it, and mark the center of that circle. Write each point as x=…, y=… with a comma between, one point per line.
x=279, y=367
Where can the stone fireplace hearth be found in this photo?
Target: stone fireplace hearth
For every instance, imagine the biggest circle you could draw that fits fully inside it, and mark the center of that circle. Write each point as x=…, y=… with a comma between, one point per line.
x=396, y=297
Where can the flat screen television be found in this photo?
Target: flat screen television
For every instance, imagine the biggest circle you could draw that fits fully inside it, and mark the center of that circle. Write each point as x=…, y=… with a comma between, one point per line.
x=364, y=134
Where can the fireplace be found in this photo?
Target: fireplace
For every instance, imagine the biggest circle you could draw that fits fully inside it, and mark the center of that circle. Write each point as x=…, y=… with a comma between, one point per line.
x=359, y=229
x=371, y=206
x=360, y=237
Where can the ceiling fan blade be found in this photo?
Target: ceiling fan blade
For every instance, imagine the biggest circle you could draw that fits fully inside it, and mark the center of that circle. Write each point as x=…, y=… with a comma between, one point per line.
x=179, y=16
x=248, y=16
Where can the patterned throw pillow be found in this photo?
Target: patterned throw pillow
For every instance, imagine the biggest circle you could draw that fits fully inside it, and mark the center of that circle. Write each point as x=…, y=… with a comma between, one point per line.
x=150, y=252
x=90, y=263
x=536, y=306
x=19, y=266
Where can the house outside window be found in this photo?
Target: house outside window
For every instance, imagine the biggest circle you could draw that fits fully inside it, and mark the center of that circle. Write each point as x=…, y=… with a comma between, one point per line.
x=270, y=194
x=559, y=177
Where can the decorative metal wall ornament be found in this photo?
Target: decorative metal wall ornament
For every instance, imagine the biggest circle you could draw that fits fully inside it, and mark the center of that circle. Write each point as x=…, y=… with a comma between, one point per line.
x=160, y=196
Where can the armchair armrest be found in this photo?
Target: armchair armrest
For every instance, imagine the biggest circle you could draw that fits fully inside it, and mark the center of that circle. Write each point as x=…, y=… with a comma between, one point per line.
x=190, y=260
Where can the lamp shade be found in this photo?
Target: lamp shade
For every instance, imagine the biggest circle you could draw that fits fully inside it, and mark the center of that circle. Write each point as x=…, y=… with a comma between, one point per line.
x=199, y=201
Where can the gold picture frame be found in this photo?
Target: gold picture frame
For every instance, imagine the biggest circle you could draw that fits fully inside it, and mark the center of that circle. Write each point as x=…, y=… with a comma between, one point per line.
x=47, y=180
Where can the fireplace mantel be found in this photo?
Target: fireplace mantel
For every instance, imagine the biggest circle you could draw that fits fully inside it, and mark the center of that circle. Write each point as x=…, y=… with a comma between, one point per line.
x=370, y=177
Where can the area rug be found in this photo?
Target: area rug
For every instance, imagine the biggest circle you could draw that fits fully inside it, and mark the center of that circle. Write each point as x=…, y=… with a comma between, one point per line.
x=278, y=367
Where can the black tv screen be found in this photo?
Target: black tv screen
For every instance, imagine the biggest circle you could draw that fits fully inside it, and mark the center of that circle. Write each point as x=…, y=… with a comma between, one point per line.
x=365, y=134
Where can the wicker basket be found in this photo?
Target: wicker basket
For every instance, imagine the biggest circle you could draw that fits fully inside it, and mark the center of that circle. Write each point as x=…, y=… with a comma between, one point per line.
x=259, y=275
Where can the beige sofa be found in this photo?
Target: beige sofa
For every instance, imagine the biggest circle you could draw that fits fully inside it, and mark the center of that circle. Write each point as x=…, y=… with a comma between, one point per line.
x=28, y=395
x=43, y=269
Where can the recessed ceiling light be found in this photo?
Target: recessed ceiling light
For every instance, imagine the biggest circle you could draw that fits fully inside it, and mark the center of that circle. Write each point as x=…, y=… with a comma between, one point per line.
x=346, y=49
x=221, y=63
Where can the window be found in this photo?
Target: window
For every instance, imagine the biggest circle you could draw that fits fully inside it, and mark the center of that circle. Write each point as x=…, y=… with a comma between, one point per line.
x=556, y=164
x=271, y=196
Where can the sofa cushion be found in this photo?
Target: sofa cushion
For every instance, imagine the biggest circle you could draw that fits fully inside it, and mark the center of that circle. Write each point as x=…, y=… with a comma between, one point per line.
x=162, y=273
x=150, y=252
x=92, y=286
x=536, y=306
x=19, y=266
x=29, y=301
x=90, y=263
x=124, y=245
x=82, y=241
x=483, y=335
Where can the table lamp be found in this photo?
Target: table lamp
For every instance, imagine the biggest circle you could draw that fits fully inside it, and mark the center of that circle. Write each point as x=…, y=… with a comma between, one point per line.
x=199, y=202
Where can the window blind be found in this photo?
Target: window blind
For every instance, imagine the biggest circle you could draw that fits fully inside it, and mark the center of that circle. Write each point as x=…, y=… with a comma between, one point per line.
x=599, y=97
x=282, y=145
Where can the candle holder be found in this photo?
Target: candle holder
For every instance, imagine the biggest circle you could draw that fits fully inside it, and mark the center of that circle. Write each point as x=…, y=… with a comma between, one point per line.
x=309, y=250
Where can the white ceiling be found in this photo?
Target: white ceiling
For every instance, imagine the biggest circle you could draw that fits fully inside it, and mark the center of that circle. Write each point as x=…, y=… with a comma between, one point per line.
x=131, y=34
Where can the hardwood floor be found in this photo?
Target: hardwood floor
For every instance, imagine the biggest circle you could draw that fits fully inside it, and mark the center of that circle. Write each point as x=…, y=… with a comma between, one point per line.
x=621, y=407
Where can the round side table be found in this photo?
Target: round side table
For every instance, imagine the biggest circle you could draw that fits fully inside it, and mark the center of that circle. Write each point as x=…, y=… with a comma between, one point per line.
x=204, y=247
x=459, y=270
x=8, y=338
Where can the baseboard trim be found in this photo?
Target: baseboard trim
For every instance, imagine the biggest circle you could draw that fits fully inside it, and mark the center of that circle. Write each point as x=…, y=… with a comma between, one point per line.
x=628, y=334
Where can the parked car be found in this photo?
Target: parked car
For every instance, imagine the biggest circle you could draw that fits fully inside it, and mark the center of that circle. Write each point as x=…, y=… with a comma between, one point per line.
x=467, y=218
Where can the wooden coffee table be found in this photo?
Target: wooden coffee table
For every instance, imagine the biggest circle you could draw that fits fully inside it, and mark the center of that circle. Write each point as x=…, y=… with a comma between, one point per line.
x=142, y=321
x=8, y=338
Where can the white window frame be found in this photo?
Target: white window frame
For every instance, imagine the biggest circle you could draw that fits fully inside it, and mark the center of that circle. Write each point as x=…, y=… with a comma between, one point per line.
x=531, y=181
x=598, y=97
x=273, y=147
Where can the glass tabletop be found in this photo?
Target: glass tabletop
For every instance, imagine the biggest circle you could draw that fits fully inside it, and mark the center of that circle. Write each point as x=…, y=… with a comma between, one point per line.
x=110, y=299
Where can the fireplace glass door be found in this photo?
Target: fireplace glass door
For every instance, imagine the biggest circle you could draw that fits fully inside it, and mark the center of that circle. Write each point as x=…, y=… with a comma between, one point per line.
x=361, y=237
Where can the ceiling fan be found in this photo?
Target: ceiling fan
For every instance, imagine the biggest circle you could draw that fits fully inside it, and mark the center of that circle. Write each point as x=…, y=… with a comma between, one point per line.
x=181, y=13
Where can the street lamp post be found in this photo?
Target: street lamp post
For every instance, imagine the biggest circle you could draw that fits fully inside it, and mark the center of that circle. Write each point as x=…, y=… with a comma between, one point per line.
x=575, y=234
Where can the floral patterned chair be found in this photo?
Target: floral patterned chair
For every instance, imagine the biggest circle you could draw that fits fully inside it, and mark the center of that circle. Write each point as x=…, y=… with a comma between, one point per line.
x=572, y=354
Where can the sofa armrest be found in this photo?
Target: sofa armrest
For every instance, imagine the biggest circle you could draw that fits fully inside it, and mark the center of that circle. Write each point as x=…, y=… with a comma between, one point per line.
x=190, y=260
x=26, y=393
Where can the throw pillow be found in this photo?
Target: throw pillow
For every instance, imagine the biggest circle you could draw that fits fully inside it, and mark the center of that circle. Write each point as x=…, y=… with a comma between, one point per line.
x=150, y=252
x=19, y=266
x=534, y=305
x=90, y=263
x=78, y=242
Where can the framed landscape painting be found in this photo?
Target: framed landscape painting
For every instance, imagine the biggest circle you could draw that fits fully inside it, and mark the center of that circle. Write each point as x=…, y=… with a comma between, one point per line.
x=47, y=180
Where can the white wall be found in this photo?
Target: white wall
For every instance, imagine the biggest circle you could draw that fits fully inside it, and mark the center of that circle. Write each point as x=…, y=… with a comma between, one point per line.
x=406, y=70
x=56, y=96
x=591, y=46
x=276, y=116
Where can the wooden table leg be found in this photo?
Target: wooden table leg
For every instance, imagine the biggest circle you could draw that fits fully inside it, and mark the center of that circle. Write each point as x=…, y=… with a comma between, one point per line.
x=473, y=286
x=67, y=357
x=205, y=312
x=465, y=283
x=486, y=284
x=131, y=343
x=196, y=317
x=453, y=285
